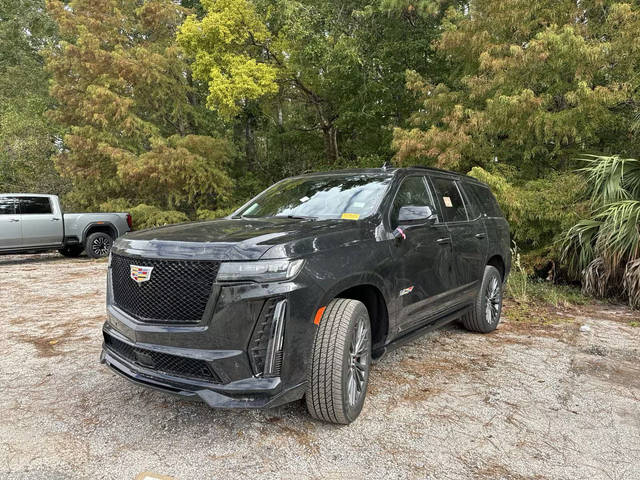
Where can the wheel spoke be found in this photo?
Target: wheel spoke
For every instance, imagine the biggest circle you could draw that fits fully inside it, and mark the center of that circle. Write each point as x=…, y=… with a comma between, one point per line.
x=358, y=359
x=492, y=297
x=359, y=336
x=363, y=345
x=352, y=389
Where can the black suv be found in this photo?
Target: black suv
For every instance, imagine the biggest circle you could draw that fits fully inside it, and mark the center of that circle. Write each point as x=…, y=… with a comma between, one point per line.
x=295, y=293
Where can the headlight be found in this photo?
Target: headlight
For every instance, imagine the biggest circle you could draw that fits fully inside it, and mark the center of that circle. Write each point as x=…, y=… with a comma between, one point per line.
x=259, y=271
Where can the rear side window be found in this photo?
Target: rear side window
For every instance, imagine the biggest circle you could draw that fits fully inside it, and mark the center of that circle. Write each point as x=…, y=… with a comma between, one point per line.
x=487, y=201
x=7, y=206
x=453, y=208
x=473, y=208
x=34, y=205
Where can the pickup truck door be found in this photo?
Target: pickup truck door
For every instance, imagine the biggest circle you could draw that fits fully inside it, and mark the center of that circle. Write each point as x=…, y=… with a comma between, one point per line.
x=41, y=221
x=10, y=225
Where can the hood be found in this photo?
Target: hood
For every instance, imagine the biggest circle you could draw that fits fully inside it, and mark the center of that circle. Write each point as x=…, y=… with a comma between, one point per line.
x=239, y=239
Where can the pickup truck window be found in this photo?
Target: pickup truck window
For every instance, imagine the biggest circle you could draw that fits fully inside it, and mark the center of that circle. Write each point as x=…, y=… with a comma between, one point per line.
x=35, y=205
x=7, y=206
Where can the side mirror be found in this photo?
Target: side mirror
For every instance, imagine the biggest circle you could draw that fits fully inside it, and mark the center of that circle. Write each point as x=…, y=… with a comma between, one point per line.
x=413, y=214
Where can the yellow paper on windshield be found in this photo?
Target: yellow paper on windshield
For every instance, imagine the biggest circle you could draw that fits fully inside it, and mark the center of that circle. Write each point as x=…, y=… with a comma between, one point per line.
x=350, y=216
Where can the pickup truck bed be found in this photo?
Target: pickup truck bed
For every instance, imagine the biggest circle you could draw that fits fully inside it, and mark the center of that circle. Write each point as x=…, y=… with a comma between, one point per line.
x=35, y=222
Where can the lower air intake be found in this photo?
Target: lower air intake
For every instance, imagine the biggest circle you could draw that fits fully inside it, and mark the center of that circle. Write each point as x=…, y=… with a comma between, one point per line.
x=162, y=362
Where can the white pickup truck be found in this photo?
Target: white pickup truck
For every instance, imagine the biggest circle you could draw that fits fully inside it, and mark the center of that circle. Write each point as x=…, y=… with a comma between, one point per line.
x=35, y=223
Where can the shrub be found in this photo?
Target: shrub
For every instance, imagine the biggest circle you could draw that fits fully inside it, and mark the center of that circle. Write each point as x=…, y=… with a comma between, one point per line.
x=605, y=247
x=148, y=216
x=204, y=214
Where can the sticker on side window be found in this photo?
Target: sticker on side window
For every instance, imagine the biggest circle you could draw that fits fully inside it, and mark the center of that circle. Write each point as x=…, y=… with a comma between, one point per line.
x=447, y=202
x=350, y=216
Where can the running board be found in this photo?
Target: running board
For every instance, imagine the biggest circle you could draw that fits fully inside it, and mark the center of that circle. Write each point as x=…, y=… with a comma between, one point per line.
x=377, y=354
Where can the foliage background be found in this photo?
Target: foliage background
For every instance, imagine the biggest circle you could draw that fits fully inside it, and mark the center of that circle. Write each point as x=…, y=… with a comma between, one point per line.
x=181, y=110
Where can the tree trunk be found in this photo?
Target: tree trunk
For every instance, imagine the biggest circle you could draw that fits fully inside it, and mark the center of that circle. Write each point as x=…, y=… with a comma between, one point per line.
x=250, y=139
x=331, y=142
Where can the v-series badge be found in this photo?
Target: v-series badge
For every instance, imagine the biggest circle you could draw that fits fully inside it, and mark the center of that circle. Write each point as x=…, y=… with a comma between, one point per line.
x=406, y=291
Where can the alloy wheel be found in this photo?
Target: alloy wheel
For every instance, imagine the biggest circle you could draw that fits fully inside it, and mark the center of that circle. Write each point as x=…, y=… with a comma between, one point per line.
x=493, y=299
x=358, y=362
x=101, y=246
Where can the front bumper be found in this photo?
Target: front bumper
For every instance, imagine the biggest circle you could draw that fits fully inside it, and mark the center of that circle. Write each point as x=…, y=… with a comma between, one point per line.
x=223, y=341
x=248, y=393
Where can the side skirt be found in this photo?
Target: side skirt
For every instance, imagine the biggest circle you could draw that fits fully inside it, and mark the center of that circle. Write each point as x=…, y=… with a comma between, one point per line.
x=418, y=332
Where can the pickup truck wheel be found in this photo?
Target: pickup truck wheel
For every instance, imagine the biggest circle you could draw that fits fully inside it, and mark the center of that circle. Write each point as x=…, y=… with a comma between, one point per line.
x=98, y=245
x=485, y=315
x=341, y=355
x=71, y=251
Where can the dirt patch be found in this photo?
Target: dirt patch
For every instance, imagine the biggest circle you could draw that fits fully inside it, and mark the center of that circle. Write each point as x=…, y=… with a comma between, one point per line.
x=536, y=399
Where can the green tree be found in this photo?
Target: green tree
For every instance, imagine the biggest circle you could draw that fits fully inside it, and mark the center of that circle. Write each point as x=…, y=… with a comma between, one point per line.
x=539, y=209
x=529, y=84
x=296, y=69
x=136, y=126
x=27, y=138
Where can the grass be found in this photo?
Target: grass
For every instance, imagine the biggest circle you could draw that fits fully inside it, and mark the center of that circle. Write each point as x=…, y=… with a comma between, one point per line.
x=536, y=300
x=523, y=289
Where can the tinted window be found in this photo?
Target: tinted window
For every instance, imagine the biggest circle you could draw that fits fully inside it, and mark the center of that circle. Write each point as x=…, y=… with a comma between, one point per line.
x=31, y=205
x=453, y=209
x=7, y=206
x=323, y=196
x=413, y=191
x=473, y=208
x=488, y=203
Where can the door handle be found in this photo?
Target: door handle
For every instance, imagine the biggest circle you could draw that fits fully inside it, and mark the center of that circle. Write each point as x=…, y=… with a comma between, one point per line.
x=480, y=235
x=14, y=219
x=55, y=219
x=443, y=241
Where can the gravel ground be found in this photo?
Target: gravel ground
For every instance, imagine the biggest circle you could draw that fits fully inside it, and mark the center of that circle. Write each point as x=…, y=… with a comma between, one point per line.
x=529, y=401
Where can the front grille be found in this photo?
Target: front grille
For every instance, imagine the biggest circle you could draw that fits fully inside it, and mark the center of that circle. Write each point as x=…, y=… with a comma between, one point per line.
x=177, y=290
x=162, y=362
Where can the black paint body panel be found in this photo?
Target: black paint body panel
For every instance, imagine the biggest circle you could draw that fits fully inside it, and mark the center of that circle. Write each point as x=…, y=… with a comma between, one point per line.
x=442, y=262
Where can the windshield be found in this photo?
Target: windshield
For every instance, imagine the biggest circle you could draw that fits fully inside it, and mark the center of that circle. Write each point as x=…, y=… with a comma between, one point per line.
x=322, y=197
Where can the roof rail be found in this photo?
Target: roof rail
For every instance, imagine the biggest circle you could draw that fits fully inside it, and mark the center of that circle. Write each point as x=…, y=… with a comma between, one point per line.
x=436, y=169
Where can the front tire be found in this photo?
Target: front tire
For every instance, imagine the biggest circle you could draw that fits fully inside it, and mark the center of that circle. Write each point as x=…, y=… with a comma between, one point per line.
x=341, y=356
x=485, y=315
x=98, y=245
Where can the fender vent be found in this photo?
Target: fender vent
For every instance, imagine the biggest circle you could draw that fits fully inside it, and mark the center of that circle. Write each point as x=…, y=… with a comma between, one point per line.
x=265, y=350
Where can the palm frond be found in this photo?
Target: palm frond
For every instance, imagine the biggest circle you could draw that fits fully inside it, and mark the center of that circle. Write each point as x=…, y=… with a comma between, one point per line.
x=595, y=278
x=632, y=283
x=578, y=245
x=611, y=178
x=635, y=124
x=618, y=238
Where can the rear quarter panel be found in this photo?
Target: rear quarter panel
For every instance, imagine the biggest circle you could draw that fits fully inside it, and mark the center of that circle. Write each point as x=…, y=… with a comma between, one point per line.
x=499, y=240
x=76, y=224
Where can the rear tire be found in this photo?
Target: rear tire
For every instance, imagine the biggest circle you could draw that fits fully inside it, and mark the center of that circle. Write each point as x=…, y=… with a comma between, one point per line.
x=98, y=245
x=71, y=251
x=341, y=356
x=485, y=314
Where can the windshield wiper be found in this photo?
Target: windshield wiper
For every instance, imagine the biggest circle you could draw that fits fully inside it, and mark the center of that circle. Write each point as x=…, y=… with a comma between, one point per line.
x=297, y=217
